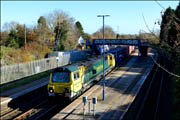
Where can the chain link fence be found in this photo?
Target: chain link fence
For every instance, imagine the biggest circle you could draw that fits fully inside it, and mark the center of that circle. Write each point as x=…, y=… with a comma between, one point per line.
x=17, y=71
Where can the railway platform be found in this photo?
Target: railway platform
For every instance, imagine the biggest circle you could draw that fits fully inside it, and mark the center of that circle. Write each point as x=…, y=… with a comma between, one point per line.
x=122, y=86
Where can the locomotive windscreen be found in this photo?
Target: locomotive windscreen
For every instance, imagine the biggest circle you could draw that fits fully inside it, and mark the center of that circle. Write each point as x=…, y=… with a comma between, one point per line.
x=61, y=77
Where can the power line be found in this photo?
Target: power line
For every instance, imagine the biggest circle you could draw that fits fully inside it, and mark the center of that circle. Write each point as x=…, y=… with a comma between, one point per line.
x=160, y=4
x=165, y=9
x=164, y=68
x=153, y=58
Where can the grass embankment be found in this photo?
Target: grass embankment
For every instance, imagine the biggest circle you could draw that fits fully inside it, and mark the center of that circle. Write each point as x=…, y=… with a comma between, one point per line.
x=23, y=81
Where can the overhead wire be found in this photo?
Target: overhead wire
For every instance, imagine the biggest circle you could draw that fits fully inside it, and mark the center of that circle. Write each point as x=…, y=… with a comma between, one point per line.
x=160, y=4
x=164, y=68
x=152, y=57
x=165, y=9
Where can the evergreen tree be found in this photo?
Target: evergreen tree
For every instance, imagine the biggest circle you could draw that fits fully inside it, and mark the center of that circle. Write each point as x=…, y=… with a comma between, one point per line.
x=166, y=24
x=80, y=29
x=172, y=35
x=170, y=28
x=42, y=29
x=12, y=39
x=79, y=26
x=61, y=35
x=177, y=12
x=21, y=34
x=177, y=25
x=42, y=23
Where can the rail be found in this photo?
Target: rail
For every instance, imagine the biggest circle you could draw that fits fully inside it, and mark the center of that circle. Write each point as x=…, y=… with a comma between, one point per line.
x=150, y=104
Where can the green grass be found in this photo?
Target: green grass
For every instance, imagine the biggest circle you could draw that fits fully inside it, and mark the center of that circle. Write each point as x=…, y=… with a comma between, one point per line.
x=23, y=81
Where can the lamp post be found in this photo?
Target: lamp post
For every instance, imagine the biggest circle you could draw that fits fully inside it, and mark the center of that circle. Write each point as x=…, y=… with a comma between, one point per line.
x=103, y=97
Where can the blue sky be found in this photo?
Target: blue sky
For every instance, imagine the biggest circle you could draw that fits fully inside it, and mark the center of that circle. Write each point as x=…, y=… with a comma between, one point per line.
x=125, y=14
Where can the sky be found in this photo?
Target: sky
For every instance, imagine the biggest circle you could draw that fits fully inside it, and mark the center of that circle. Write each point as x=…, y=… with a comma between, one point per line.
x=125, y=16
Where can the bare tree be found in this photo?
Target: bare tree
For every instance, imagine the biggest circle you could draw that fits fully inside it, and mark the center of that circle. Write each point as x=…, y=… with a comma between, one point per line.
x=57, y=17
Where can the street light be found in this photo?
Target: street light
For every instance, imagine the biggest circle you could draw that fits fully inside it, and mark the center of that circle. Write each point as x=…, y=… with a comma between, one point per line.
x=103, y=56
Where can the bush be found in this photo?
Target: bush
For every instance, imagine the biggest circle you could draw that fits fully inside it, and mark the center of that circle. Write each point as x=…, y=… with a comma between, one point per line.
x=33, y=51
x=37, y=51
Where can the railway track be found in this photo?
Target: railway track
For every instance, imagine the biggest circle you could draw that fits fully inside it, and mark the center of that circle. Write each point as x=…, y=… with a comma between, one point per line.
x=152, y=85
x=30, y=107
x=38, y=111
x=33, y=110
x=150, y=102
x=23, y=103
x=150, y=108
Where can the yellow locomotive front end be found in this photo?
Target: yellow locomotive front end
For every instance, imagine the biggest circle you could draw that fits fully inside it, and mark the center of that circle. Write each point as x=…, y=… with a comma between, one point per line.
x=111, y=60
x=65, y=81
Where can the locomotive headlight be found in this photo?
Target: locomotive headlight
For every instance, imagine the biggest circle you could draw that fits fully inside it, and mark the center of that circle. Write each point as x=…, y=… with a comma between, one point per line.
x=51, y=90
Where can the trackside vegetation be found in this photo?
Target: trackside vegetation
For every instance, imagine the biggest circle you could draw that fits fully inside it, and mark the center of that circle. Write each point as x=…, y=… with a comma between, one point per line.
x=21, y=43
x=170, y=44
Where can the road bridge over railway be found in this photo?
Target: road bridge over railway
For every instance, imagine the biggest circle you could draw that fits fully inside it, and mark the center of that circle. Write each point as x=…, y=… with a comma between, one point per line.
x=142, y=44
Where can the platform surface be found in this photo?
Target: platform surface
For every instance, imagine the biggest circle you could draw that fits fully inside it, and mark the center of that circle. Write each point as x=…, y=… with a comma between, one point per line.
x=121, y=89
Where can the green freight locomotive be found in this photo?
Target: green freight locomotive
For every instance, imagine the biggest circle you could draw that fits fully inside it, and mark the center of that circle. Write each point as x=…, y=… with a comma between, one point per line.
x=71, y=80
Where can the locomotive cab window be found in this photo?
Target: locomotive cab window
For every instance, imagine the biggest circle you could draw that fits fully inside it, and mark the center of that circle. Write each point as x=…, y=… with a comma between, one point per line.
x=110, y=57
x=76, y=75
x=60, y=77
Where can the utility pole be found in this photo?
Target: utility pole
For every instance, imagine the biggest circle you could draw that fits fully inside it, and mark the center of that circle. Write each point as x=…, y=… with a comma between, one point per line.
x=24, y=36
x=118, y=29
x=103, y=97
x=117, y=32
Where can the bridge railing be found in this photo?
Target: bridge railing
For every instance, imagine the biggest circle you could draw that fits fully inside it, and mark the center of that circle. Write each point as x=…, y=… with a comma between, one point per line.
x=17, y=71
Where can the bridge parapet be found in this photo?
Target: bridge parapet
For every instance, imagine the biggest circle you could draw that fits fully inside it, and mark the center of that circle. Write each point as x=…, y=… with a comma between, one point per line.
x=116, y=42
x=135, y=42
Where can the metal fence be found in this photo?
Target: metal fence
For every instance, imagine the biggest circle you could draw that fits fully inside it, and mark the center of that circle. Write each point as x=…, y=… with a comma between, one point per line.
x=18, y=71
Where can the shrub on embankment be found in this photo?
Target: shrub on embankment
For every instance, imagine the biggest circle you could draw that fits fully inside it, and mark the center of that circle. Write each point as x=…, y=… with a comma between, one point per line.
x=176, y=88
x=174, y=58
x=170, y=45
x=33, y=51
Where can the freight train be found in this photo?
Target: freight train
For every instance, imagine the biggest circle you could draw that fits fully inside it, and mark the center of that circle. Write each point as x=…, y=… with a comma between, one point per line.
x=71, y=80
